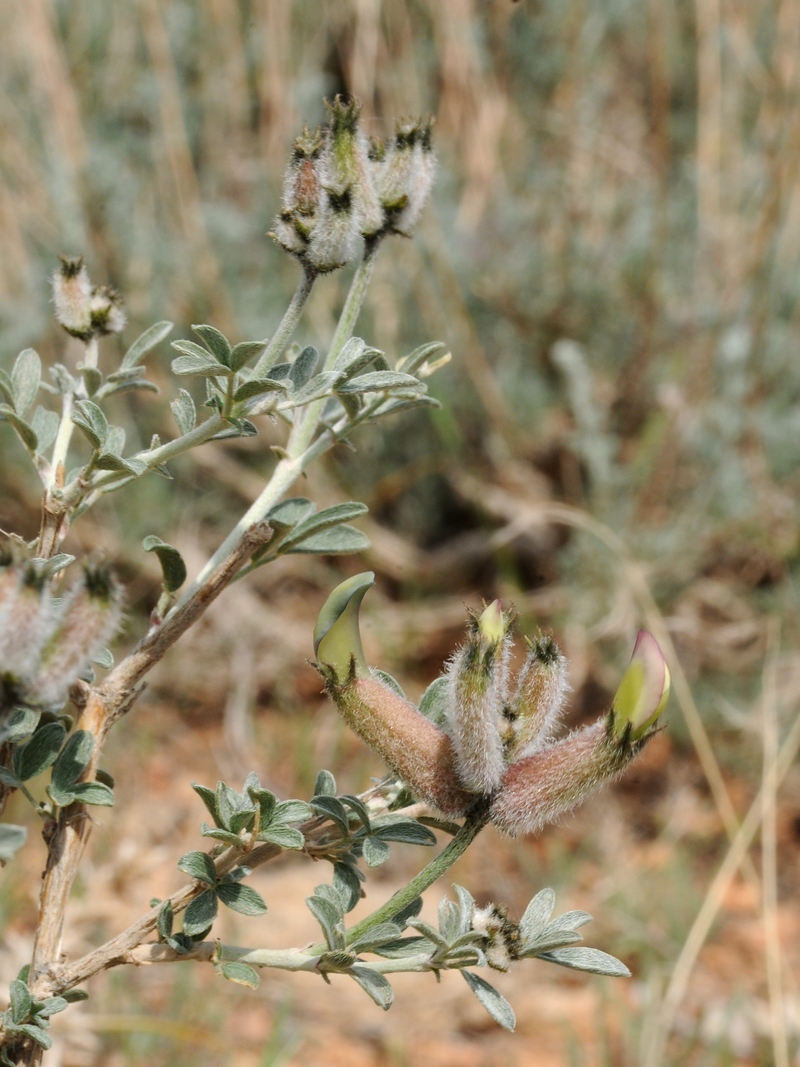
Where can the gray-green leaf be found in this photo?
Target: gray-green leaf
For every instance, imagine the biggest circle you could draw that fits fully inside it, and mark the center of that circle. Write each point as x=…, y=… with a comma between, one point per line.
x=199, y=866
x=588, y=959
x=200, y=914
x=537, y=914
x=73, y=760
x=40, y=752
x=374, y=984
x=25, y=378
x=335, y=541
x=25, y=431
x=184, y=412
x=494, y=1002
x=216, y=341
x=240, y=973
x=12, y=838
x=173, y=569
x=145, y=342
x=241, y=898
x=91, y=420
x=44, y=424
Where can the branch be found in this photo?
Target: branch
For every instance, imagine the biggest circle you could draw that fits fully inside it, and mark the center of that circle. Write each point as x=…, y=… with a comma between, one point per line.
x=103, y=707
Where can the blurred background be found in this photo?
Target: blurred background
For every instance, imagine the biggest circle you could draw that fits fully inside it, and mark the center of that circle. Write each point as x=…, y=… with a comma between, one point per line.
x=612, y=258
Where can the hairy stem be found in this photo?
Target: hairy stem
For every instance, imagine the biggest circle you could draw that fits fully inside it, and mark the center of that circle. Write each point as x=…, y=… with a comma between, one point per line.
x=277, y=345
x=104, y=706
x=473, y=824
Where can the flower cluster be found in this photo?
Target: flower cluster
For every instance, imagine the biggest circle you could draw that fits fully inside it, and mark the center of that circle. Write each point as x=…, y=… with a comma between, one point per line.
x=85, y=311
x=340, y=186
x=493, y=743
x=46, y=642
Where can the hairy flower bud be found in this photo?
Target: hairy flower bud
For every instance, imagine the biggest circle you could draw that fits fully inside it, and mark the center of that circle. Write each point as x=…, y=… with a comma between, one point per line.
x=301, y=194
x=538, y=788
x=476, y=691
x=501, y=932
x=410, y=745
x=107, y=310
x=404, y=178
x=533, y=715
x=72, y=295
x=643, y=691
x=26, y=621
x=333, y=241
x=88, y=620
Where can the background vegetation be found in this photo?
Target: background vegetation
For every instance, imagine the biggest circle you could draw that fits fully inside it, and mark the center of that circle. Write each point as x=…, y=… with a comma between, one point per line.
x=612, y=257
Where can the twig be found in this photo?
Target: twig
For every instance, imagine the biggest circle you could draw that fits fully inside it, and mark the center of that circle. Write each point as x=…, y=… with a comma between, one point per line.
x=103, y=708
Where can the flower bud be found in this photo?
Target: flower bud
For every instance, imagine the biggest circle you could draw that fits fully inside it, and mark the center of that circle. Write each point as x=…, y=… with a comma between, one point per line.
x=107, y=311
x=643, y=691
x=501, y=932
x=538, y=788
x=542, y=686
x=333, y=241
x=301, y=194
x=405, y=177
x=410, y=745
x=72, y=294
x=26, y=622
x=337, y=638
x=88, y=620
x=476, y=691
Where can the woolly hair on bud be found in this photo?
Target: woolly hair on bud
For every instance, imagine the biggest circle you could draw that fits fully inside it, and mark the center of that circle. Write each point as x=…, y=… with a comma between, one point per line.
x=335, y=236
x=26, y=622
x=410, y=745
x=476, y=691
x=72, y=293
x=536, y=709
x=89, y=619
x=538, y=788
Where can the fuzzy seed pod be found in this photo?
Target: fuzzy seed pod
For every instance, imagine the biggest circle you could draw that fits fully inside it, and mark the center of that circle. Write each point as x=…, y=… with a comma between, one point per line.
x=89, y=618
x=533, y=715
x=72, y=295
x=477, y=678
x=537, y=789
x=26, y=622
x=411, y=746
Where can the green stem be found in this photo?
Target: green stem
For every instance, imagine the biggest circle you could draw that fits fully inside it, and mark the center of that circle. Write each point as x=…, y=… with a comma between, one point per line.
x=303, y=432
x=299, y=450
x=63, y=438
x=277, y=345
x=473, y=824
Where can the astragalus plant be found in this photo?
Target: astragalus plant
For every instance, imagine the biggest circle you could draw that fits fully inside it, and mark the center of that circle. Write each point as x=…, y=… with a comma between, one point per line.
x=479, y=749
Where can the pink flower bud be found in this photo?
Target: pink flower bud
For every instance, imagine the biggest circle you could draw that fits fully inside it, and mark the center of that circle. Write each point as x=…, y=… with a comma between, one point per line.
x=643, y=691
x=27, y=618
x=72, y=294
x=88, y=621
x=538, y=788
x=410, y=745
